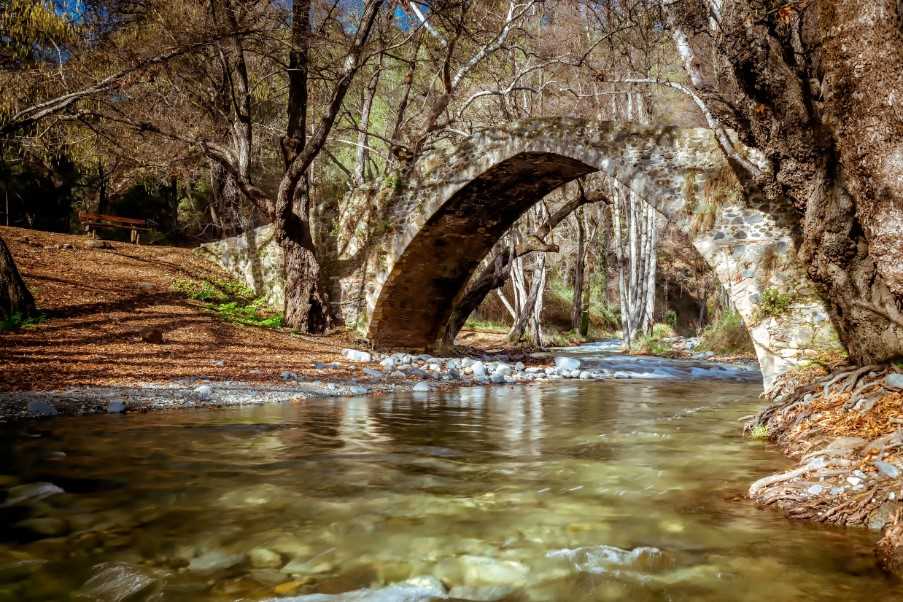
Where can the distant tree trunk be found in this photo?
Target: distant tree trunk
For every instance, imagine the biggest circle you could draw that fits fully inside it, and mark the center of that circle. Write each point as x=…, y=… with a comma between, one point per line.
x=579, y=261
x=15, y=298
x=498, y=269
x=363, y=149
x=103, y=196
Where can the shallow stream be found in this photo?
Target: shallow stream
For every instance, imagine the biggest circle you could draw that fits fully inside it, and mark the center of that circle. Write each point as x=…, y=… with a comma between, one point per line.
x=618, y=490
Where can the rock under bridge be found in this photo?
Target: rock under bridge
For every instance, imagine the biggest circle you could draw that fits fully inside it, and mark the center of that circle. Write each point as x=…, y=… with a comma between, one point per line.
x=459, y=201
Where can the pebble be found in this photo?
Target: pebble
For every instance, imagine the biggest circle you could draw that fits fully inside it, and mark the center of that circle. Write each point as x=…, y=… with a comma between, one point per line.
x=894, y=380
x=116, y=407
x=388, y=363
x=815, y=490
x=358, y=390
x=203, y=392
x=373, y=373
x=41, y=407
x=287, y=375
x=854, y=481
x=421, y=387
x=478, y=369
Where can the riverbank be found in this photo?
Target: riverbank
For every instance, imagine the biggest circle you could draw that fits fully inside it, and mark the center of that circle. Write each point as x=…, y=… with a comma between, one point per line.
x=845, y=429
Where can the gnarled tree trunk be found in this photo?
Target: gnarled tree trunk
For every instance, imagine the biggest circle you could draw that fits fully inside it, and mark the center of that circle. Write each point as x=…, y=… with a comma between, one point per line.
x=15, y=298
x=816, y=86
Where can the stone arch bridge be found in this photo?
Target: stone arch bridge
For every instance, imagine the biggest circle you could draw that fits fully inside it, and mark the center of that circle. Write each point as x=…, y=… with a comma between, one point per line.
x=461, y=200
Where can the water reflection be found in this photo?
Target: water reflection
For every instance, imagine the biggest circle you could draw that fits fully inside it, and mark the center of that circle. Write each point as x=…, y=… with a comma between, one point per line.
x=580, y=491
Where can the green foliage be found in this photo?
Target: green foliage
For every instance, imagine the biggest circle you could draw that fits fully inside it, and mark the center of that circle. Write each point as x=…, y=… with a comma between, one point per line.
x=653, y=343
x=772, y=304
x=726, y=335
x=232, y=301
x=759, y=432
x=17, y=320
x=670, y=318
x=476, y=324
x=249, y=315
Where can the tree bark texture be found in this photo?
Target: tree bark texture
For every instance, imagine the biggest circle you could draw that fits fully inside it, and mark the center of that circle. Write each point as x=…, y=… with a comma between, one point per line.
x=817, y=87
x=15, y=298
x=579, y=264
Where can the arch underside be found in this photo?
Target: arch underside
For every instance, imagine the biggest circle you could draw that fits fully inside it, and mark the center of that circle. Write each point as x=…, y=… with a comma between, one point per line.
x=417, y=298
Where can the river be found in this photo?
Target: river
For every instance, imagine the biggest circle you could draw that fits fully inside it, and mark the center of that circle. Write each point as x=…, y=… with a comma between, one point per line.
x=617, y=490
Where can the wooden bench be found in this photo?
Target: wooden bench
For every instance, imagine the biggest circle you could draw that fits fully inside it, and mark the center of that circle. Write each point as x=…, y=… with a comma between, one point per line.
x=93, y=221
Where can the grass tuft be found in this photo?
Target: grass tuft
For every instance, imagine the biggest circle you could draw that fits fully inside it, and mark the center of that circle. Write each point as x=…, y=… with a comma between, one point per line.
x=231, y=300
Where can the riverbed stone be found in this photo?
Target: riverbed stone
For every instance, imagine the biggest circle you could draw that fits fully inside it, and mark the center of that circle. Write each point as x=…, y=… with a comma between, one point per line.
x=478, y=369
x=421, y=387
x=264, y=558
x=116, y=407
x=214, y=560
x=44, y=526
x=30, y=492
x=480, y=570
x=373, y=373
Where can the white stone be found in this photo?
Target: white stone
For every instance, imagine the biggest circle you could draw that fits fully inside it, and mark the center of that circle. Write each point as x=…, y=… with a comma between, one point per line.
x=203, y=392
x=116, y=407
x=894, y=380
x=421, y=387
x=355, y=355
x=567, y=363
x=478, y=369
x=262, y=558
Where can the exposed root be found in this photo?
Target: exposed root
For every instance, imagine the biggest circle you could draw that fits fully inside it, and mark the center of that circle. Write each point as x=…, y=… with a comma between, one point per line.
x=845, y=428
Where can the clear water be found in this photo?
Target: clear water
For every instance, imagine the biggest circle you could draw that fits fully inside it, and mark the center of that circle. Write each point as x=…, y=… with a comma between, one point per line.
x=568, y=491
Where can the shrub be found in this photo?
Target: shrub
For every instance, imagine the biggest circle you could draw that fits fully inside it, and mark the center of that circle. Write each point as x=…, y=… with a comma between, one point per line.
x=16, y=320
x=759, y=432
x=773, y=303
x=726, y=335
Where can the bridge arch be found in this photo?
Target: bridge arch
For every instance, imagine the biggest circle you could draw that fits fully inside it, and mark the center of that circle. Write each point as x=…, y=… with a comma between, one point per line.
x=459, y=201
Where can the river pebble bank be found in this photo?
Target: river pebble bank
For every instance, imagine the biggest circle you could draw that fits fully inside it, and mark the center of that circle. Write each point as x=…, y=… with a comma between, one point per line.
x=374, y=373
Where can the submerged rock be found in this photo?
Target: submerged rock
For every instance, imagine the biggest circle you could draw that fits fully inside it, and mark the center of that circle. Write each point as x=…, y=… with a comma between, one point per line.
x=606, y=559
x=416, y=589
x=263, y=558
x=481, y=570
x=116, y=581
x=44, y=526
x=214, y=560
x=30, y=492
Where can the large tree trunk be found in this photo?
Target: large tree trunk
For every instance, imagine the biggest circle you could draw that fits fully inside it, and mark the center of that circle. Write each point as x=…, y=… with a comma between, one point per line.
x=817, y=86
x=15, y=298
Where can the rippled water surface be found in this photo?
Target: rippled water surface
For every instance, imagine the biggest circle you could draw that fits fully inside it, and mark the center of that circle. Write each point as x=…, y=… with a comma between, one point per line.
x=566, y=491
